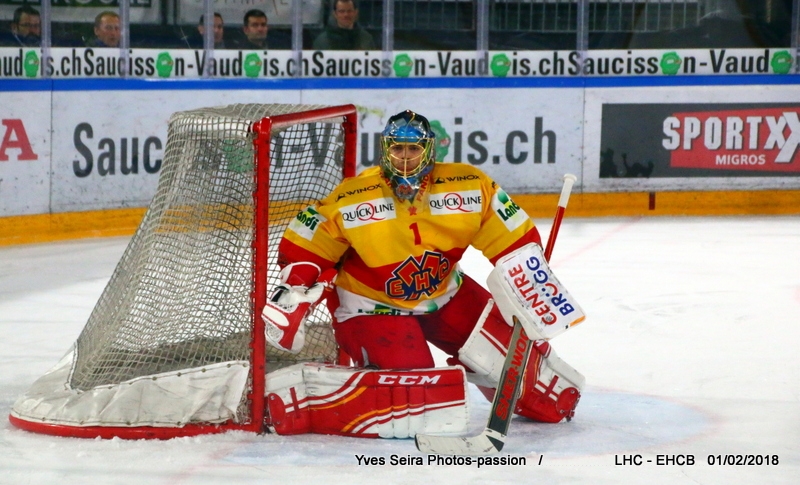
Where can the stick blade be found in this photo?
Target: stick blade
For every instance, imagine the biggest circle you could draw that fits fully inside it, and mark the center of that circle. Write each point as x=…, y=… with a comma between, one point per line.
x=482, y=444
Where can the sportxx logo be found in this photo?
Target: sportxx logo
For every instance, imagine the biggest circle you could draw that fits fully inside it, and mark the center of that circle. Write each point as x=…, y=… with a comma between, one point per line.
x=16, y=138
x=743, y=139
x=414, y=278
x=464, y=202
x=407, y=380
x=368, y=212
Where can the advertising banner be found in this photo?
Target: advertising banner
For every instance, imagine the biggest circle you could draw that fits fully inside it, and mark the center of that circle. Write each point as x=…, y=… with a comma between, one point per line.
x=68, y=150
x=108, y=145
x=701, y=140
x=276, y=64
x=524, y=139
x=111, y=157
x=692, y=138
x=25, y=153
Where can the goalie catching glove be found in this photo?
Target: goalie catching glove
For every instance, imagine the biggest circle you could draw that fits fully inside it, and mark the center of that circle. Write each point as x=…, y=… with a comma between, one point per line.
x=302, y=285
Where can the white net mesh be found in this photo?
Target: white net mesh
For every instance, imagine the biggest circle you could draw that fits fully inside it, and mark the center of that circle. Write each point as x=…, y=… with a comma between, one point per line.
x=181, y=295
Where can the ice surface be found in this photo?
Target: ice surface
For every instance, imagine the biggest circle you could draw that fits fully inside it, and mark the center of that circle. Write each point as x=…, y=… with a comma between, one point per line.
x=690, y=348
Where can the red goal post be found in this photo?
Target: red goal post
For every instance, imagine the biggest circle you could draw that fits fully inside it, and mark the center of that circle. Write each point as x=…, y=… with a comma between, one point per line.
x=175, y=345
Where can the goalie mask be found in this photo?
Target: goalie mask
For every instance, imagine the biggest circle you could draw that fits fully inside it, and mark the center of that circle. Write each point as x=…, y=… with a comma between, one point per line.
x=407, y=145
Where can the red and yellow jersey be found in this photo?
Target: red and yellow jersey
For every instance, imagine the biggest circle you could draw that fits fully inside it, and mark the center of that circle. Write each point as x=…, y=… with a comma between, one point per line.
x=400, y=257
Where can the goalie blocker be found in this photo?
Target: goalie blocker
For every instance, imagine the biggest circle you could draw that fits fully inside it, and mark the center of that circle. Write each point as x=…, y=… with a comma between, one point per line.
x=524, y=286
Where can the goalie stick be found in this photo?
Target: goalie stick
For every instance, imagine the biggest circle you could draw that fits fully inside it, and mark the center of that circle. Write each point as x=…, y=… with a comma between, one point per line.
x=492, y=439
x=569, y=180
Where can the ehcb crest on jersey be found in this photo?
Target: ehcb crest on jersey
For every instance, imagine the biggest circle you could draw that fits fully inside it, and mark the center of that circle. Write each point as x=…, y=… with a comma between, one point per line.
x=449, y=203
x=508, y=212
x=307, y=222
x=414, y=278
x=375, y=210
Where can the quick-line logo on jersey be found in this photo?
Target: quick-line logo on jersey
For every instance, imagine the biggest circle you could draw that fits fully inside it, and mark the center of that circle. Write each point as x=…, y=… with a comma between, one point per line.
x=464, y=202
x=375, y=210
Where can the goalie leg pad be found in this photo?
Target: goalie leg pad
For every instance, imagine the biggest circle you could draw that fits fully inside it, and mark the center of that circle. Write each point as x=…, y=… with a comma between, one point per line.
x=551, y=388
x=327, y=399
x=484, y=352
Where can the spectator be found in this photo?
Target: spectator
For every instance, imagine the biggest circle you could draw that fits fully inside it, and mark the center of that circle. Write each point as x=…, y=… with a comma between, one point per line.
x=345, y=34
x=255, y=28
x=106, y=30
x=197, y=42
x=26, y=28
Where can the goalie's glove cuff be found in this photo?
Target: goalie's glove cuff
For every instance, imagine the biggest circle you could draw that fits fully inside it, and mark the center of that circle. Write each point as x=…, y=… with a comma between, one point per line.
x=287, y=307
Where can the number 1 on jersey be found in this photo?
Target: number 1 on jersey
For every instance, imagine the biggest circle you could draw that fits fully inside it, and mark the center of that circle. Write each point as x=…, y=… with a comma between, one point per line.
x=415, y=230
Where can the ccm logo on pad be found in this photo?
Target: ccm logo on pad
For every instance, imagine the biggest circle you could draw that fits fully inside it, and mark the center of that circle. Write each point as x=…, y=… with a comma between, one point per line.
x=407, y=380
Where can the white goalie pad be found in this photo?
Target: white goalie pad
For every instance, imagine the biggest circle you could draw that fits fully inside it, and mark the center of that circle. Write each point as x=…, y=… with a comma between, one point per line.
x=328, y=399
x=523, y=285
x=551, y=388
x=483, y=352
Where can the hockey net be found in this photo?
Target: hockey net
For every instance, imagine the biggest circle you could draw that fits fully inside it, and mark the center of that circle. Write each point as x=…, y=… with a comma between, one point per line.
x=175, y=344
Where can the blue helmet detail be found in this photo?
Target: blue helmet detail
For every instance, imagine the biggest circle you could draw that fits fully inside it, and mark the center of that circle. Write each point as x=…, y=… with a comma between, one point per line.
x=407, y=127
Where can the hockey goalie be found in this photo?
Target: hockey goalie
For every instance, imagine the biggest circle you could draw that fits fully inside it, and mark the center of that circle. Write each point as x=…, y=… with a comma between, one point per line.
x=382, y=251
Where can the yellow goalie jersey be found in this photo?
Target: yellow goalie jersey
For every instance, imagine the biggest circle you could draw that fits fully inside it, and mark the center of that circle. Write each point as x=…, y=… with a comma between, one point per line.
x=400, y=257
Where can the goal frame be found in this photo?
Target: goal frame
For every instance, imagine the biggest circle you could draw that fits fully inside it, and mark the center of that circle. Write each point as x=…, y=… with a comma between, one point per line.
x=262, y=131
